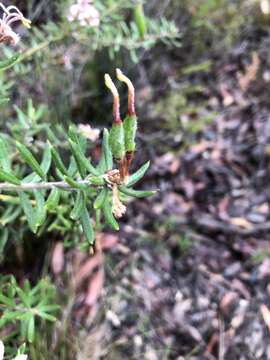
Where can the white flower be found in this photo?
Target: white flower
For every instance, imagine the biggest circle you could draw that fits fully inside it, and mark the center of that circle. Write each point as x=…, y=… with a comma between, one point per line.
x=265, y=7
x=90, y=133
x=2, y=351
x=118, y=208
x=84, y=12
x=10, y=15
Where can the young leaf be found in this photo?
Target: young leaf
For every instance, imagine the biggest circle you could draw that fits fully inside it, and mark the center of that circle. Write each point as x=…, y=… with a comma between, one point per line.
x=74, y=184
x=136, y=193
x=28, y=210
x=10, y=178
x=100, y=198
x=96, y=180
x=78, y=206
x=82, y=162
x=138, y=175
x=45, y=166
x=5, y=64
x=140, y=20
x=78, y=158
x=101, y=168
x=40, y=210
x=58, y=161
x=106, y=150
x=87, y=226
x=53, y=200
x=46, y=316
x=109, y=218
x=30, y=160
x=4, y=156
x=31, y=328
x=23, y=297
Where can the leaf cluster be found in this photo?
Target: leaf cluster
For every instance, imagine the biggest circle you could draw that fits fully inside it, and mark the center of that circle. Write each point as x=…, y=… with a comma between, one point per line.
x=25, y=306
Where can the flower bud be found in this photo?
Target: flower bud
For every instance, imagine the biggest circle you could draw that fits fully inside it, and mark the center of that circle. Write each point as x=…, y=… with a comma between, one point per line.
x=117, y=138
x=130, y=122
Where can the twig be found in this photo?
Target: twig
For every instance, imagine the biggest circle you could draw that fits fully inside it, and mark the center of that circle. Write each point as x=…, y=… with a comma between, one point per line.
x=41, y=186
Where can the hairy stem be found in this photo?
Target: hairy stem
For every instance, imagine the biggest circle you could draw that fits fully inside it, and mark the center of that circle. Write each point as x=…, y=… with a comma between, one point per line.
x=41, y=186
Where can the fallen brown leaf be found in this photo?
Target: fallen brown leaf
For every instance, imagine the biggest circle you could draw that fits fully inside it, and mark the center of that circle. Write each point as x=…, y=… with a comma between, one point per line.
x=266, y=315
x=87, y=268
x=57, y=260
x=94, y=288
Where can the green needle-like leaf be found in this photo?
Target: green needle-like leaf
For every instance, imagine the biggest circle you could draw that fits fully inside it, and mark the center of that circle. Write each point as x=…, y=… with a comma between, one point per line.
x=100, y=198
x=4, y=156
x=28, y=210
x=10, y=178
x=106, y=150
x=108, y=215
x=53, y=200
x=87, y=226
x=78, y=206
x=30, y=160
x=138, y=175
x=136, y=193
x=5, y=64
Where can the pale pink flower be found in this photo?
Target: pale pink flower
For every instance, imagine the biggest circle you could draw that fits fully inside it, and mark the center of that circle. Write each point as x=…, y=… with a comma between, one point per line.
x=84, y=12
x=90, y=133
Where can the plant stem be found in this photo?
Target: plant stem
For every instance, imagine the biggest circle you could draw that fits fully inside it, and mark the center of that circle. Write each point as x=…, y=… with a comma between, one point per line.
x=41, y=186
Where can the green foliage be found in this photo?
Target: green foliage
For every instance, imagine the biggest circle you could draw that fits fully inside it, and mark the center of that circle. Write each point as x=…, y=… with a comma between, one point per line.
x=26, y=305
x=49, y=185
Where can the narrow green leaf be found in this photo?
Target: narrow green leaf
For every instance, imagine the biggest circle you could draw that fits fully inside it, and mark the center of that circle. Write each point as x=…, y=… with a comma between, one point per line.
x=28, y=210
x=109, y=218
x=136, y=193
x=23, y=297
x=138, y=175
x=9, y=178
x=72, y=168
x=100, y=198
x=58, y=161
x=102, y=164
x=140, y=19
x=87, y=226
x=31, y=328
x=4, y=156
x=72, y=134
x=82, y=162
x=7, y=218
x=6, y=301
x=74, y=184
x=47, y=159
x=46, y=308
x=53, y=200
x=78, y=206
x=106, y=150
x=46, y=316
x=96, y=180
x=3, y=240
x=30, y=160
x=5, y=64
x=78, y=158
x=45, y=166
x=40, y=209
